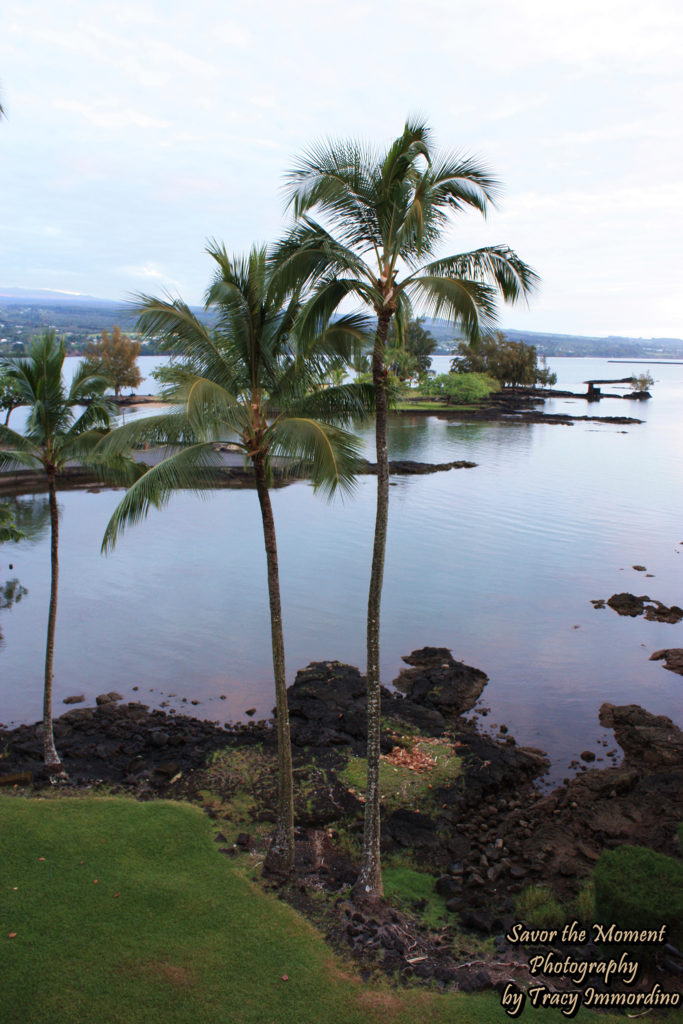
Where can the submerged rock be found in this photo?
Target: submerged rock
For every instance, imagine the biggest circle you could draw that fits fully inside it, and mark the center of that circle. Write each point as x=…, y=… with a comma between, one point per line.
x=627, y=604
x=672, y=657
x=655, y=611
x=658, y=612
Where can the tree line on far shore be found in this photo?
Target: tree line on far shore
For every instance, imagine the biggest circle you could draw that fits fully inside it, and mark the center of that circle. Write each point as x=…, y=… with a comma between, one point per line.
x=476, y=371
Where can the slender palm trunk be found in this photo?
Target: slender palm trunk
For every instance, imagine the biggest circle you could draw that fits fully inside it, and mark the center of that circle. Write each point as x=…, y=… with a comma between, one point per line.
x=369, y=883
x=280, y=857
x=50, y=755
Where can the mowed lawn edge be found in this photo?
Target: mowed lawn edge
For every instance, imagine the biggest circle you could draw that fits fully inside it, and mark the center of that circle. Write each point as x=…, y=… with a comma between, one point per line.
x=119, y=912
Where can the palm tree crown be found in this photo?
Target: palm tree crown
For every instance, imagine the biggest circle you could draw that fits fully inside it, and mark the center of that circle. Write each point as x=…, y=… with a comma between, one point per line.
x=253, y=379
x=63, y=423
x=384, y=217
x=250, y=379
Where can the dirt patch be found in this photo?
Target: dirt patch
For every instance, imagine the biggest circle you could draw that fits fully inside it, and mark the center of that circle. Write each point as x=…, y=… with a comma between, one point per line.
x=172, y=974
x=337, y=974
x=387, y=1004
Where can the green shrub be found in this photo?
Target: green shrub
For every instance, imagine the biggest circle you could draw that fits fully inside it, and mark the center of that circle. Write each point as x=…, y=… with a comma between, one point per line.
x=637, y=888
x=642, y=381
x=582, y=907
x=538, y=908
x=460, y=388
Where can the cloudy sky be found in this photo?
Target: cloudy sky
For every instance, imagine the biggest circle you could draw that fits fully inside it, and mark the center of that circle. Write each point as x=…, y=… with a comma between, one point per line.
x=135, y=132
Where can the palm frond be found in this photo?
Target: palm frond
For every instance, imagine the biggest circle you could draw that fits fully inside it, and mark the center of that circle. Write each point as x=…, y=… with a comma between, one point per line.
x=457, y=180
x=87, y=449
x=167, y=428
x=340, y=338
x=327, y=453
x=402, y=316
x=17, y=450
x=117, y=471
x=309, y=253
x=97, y=415
x=172, y=322
x=185, y=470
x=87, y=383
x=334, y=176
x=86, y=445
x=497, y=265
x=316, y=315
x=413, y=142
x=57, y=432
x=211, y=410
x=339, y=404
x=469, y=304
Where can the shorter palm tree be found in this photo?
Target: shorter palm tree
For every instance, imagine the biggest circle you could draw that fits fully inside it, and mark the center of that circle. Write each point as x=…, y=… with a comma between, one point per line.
x=63, y=425
x=253, y=380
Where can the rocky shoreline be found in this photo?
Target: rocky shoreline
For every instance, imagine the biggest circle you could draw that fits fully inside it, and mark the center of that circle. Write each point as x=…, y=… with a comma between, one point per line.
x=511, y=408
x=515, y=407
x=554, y=837
x=484, y=836
x=235, y=474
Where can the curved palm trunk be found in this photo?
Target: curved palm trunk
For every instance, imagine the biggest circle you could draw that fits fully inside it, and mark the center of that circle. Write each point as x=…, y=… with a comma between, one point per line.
x=50, y=755
x=369, y=882
x=280, y=858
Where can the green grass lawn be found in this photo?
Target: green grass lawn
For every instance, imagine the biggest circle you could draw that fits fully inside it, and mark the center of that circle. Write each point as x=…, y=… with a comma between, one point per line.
x=117, y=912
x=431, y=405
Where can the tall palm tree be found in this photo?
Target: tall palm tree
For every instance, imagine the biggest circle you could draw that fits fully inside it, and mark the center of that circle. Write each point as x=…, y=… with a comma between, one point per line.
x=246, y=379
x=385, y=214
x=63, y=425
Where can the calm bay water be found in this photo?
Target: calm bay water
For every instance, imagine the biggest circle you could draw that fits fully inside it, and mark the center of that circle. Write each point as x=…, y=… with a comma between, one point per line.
x=498, y=563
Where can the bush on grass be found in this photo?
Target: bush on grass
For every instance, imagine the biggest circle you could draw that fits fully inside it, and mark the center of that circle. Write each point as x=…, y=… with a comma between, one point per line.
x=460, y=388
x=637, y=888
x=538, y=908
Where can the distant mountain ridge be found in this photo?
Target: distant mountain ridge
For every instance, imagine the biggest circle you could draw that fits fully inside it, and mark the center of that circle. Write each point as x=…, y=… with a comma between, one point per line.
x=549, y=344
x=45, y=296
x=25, y=311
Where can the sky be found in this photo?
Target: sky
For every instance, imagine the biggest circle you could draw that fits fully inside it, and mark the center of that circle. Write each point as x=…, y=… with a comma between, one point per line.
x=135, y=133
